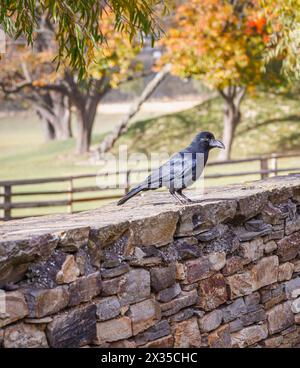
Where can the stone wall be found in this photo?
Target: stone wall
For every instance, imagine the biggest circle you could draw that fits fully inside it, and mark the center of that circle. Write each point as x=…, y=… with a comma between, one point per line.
x=218, y=273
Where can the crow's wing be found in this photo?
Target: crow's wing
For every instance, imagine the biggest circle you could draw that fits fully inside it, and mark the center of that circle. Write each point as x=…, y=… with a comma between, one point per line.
x=179, y=172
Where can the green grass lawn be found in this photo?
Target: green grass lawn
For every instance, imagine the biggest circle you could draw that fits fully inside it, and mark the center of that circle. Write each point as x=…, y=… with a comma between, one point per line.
x=270, y=124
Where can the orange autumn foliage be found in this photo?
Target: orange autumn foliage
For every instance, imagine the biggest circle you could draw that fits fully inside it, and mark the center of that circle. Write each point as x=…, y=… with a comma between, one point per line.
x=113, y=59
x=256, y=25
x=218, y=42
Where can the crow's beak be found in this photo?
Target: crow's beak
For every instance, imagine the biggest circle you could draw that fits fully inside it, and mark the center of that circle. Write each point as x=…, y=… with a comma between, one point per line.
x=216, y=143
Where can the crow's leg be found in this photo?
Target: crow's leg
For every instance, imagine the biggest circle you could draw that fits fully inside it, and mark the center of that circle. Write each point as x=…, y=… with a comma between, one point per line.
x=187, y=199
x=180, y=198
x=176, y=196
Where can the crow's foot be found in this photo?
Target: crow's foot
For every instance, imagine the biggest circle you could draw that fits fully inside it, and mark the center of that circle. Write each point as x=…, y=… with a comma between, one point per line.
x=184, y=197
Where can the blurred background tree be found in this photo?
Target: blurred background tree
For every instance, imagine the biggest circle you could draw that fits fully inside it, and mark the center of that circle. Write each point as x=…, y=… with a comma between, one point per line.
x=78, y=24
x=221, y=43
x=25, y=69
x=54, y=90
x=283, y=17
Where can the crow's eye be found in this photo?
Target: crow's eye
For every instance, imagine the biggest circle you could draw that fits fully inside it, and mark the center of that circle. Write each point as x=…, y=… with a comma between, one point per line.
x=205, y=139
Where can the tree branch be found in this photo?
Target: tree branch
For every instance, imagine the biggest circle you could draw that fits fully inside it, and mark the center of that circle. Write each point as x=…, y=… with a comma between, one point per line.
x=224, y=95
x=47, y=87
x=240, y=94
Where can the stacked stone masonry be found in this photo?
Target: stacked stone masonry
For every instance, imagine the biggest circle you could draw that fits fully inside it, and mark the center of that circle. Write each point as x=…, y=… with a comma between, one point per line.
x=215, y=273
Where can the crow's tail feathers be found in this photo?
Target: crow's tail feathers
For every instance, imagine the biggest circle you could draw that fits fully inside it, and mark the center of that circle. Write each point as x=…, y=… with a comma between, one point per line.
x=129, y=195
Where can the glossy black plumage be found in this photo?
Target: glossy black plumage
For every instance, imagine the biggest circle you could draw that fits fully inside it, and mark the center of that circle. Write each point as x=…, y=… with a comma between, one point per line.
x=181, y=170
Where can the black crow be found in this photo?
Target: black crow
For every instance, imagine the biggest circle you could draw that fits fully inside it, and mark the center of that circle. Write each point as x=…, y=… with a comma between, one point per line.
x=181, y=170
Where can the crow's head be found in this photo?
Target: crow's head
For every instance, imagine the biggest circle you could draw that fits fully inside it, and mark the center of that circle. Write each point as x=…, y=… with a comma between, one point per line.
x=207, y=141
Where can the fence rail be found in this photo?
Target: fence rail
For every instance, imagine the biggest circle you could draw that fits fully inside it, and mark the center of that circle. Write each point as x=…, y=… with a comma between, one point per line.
x=268, y=164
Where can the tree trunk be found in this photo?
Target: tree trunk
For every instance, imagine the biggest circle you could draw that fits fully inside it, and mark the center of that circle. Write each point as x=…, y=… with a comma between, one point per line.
x=231, y=120
x=85, y=98
x=49, y=131
x=63, y=129
x=54, y=110
x=83, y=140
x=232, y=116
x=61, y=116
x=86, y=114
x=121, y=128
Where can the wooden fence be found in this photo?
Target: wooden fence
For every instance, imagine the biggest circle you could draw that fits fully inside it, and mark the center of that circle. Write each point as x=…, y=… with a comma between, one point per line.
x=10, y=198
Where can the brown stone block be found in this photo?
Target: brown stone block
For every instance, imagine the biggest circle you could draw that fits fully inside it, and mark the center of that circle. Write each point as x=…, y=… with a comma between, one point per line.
x=240, y=284
x=233, y=265
x=234, y=310
x=108, y=308
x=157, y=230
x=15, y=307
x=220, y=338
x=285, y=271
x=288, y=247
x=252, y=250
x=249, y=336
x=136, y=287
x=265, y=272
x=273, y=342
x=211, y=321
x=217, y=260
x=292, y=288
x=73, y=329
x=162, y=277
x=185, y=299
x=296, y=264
x=168, y=294
x=180, y=271
x=155, y=332
x=16, y=255
x=297, y=319
x=270, y=246
x=271, y=214
x=113, y=330
x=85, y=288
x=72, y=240
x=212, y=292
x=22, y=335
x=69, y=271
x=108, y=273
x=280, y=317
x=112, y=286
x=144, y=315
x=197, y=269
x=195, y=219
x=187, y=334
x=44, y=302
x=252, y=204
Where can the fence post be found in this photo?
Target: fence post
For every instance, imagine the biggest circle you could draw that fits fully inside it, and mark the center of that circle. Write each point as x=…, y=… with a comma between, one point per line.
x=274, y=164
x=263, y=167
x=70, y=196
x=127, y=187
x=7, y=202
